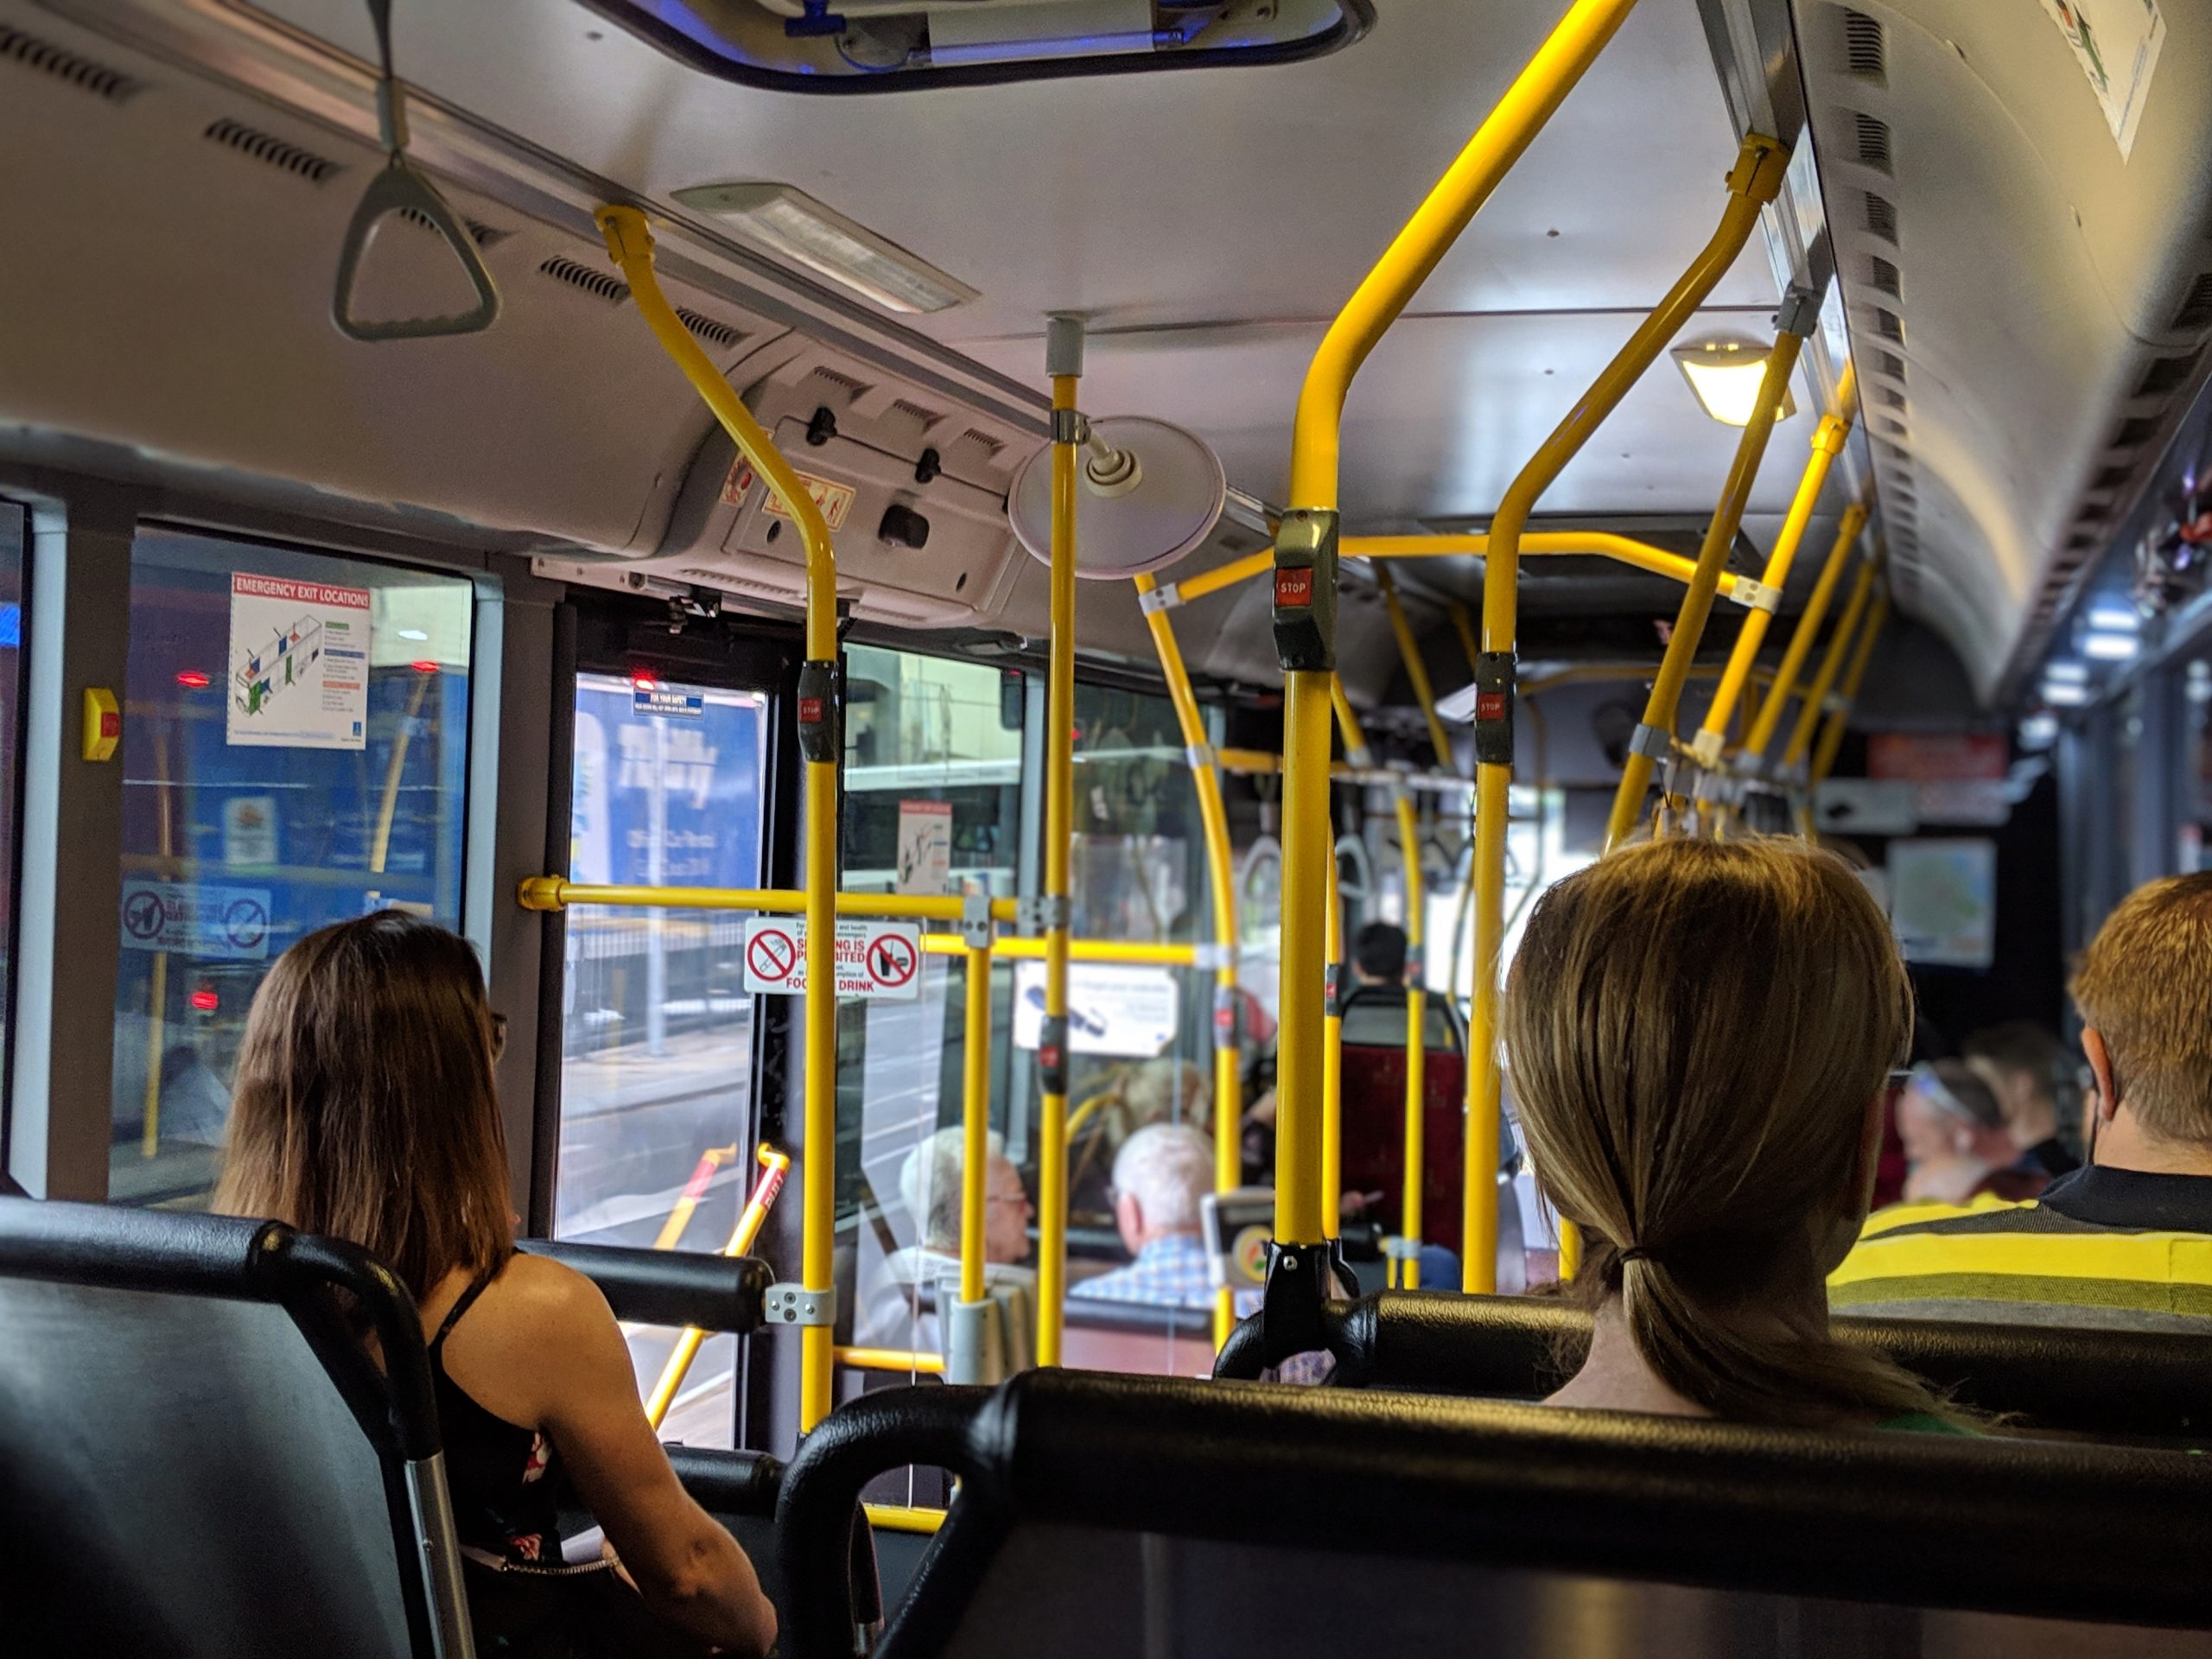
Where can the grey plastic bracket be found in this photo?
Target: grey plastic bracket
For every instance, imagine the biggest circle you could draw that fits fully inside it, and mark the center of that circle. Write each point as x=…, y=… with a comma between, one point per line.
x=973, y=1351
x=1070, y=426
x=1035, y=917
x=791, y=1303
x=975, y=920
x=1165, y=597
x=1756, y=595
x=1201, y=756
x=1651, y=743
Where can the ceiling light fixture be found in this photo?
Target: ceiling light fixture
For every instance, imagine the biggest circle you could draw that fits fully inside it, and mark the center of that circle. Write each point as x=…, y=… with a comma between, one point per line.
x=785, y=222
x=2066, y=673
x=1726, y=374
x=2109, y=647
x=2059, y=695
x=2115, y=618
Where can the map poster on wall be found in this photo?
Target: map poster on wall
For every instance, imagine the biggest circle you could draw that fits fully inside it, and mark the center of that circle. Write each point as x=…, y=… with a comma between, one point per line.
x=1943, y=901
x=299, y=664
x=2117, y=44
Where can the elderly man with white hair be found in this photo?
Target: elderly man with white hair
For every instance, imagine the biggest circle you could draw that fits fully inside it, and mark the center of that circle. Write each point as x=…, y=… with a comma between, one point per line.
x=1161, y=1176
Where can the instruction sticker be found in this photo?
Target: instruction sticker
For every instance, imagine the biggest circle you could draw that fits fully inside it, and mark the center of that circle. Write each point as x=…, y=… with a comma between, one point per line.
x=835, y=500
x=924, y=846
x=299, y=664
x=230, y=923
x=2117, y=44
x=1130, y=1012
x=881, y=961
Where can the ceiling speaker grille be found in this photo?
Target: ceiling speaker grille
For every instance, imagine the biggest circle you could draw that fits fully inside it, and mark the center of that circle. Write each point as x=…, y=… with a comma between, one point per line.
x=84, y=73
x=1863, y=50
x=599, y=284
x=1873, y=141
x=271, y=151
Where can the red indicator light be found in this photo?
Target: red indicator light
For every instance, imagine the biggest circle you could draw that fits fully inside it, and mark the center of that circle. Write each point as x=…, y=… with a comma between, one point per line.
x=425, y=666
x=206, y=1000
x=643, y=683
x=192, y=678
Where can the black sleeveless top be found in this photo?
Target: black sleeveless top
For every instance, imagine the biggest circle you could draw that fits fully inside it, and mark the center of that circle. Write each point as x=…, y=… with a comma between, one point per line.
x=506, y=1485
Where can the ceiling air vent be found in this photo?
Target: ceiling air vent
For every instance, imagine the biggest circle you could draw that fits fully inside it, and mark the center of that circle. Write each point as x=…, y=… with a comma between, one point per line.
x=479, y=232
x=1893, y=430
x=2136, y=430
x=1883, y=275
x=2196, y=306
x=1863, y=52
x=925, y=418
x=82, y=72
x=2112, y=476
x=1889, y=363
x=271, y=151
x=983, y=441
x=844, y=383
x=1889, y=325
x=2165, y=374
x=707, y=328
x=1889, y=397
x=1873, y=142
x=1881, y=217
x=600, y=284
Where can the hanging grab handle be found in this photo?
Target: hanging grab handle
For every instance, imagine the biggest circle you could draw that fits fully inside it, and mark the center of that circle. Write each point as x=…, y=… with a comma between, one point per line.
x=399, y=188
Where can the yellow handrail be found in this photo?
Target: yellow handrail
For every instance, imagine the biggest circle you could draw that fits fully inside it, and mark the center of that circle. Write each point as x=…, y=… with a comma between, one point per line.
x=1775, y=704
x=1816, y=693
x=899, y=1517
x=558, y=892
x=895, y=1359
x=1832, y=734
x=1753, y=182
x=1828, y=440
x=1587, y=544
x=630, y=241
x=775, y=1166
x=1664, y=701
x=1416, y=669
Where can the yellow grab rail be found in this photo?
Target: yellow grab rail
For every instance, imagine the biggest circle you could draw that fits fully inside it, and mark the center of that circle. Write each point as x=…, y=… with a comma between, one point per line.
x=1832, y=734
x=900, y=1517
x=1775, y=704
x=1416, y=669
x=775, y=1166
x=1588, y=543
x=558, y=892
x=900, y=1360
x=630, y=242
x=1752, y=183
x=1823, y=682
x=1828, y=440
x=1654, y=738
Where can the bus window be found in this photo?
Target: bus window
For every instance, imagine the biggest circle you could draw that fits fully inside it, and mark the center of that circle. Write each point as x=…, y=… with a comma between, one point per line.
x=656, y=1059
x=294, y=752
x=13, y=526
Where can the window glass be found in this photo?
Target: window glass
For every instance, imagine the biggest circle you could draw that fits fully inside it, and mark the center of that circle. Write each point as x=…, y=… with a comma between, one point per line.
x=13, y=537
x=294, y=752
x=656, y=1057
x=2193, y=788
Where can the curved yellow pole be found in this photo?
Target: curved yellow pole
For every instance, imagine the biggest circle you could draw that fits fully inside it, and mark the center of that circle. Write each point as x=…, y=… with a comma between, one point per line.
x=1308, y=847
x=1832, y=734
x=1840, y=642
x=1752, y=183
x=1587, y=543
x=1332, y=1062
x=1416, y=669
x=1213, y=823
x=1656, y=736
x=630, y=241
x=1775, y=704
x=1828, y=443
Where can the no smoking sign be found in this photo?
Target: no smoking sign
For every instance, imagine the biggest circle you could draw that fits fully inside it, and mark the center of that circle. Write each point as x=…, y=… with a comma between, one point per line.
x=878, y=960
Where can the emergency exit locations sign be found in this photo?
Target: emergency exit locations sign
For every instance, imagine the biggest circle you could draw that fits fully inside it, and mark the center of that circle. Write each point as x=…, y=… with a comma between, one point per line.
x=879, y=960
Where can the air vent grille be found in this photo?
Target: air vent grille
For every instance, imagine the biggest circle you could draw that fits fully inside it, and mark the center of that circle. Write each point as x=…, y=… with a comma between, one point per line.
x=1883, y=275
x=2196, y=306
x=2112, y=476
x=2135, y=431
x=707, y=328
x=1873, y=141
x=271, y=151
x=1889, y=363
x=844, y=383
x=479, y=232
x=926, y=417
x=1893, y=430
x=1862, y=51
x=2165, y=374
x=600, y=284
x=1889, y=325
x=1881, y=217
x=983, y=441
x=84, y=73
x=1889, y=397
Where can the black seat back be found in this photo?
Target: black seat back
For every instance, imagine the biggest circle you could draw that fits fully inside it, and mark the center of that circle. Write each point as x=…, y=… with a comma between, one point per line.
x=1138, y=1516
x=200, y=1458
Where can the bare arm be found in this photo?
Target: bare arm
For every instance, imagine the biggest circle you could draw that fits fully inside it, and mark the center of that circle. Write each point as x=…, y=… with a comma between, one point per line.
x=688, y=1569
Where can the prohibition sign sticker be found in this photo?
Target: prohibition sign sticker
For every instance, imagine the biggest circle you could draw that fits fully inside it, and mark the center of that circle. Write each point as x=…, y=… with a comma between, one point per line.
x=876, y=960
x=774, y=960
x=891, y=960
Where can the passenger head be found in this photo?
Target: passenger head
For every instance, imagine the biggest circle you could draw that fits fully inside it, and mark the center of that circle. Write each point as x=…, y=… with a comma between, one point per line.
x=2144, y=988
x=1699, y=1033
x=1949, y=1114
x=1161, y=1175
x=1167, y=1091
x=2022, y=1064
x=365, y=1107
x=929, y=1183
x=1378, y=953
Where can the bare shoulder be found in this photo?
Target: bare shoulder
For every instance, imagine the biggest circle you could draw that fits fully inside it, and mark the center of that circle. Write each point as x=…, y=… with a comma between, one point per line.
x=551, y=1293
x=539, y=1338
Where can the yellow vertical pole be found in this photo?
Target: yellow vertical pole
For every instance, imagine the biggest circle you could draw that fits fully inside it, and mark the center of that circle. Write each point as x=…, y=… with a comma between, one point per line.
x=1063, y=354
x=1221, y=878
x=630, y=242
x=1306, y=573
x=1654, y=738
x=1416, y=669
x=1827, y=443
x=1823, y=682
x=975, y=1121
x=1332, y=1061
x=1775, y=704
x=1832, y=734
x=1752, y=183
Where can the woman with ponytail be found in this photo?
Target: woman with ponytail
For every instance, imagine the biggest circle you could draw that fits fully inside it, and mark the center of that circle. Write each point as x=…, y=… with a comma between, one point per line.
x=1698, y=1033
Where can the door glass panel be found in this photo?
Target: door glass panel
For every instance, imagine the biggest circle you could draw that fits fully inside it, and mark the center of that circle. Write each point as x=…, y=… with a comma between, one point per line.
x=656, y=1057
x=294, y=752
x=12, y=537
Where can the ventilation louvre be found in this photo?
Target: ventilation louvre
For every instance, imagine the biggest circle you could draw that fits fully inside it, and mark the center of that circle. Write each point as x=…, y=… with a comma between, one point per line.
x=1881, y=217
x=2135, y=431
x=86, y=74
x=1889, y=363
x=2112, y=476
x=2196, y=306
x=1888, y=397
x=913, y=412
x=1889, y=325
x=1883, y=275
x=479, y=232
x=1873, y=142
x=2165, y=374
x=271, y=151
x=844, y=383
x=1863, y=52
x=600, y=284
x=983, y=441
x=707, y=328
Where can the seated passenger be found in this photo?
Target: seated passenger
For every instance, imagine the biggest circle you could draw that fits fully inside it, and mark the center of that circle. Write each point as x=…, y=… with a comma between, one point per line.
x=1698, y=1033
x=1955, y=1144
x=2126, y=1241
x=1161, y=1177
x=364, y=1108
x=1378, y=955
x=930, y=1186
x=2025, y=1066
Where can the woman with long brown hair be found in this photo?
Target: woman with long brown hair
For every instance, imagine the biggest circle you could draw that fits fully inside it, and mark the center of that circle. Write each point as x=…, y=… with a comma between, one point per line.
x=365, y=1109
x=1698, y=1034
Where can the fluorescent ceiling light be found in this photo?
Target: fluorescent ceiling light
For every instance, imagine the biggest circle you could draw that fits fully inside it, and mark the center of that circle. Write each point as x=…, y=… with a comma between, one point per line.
x=2061, y=696
x=2115, y=618
x=2039, y=731
x=788, y=222
x=1725, y=375
x=2066, y=673
x=2109, y=647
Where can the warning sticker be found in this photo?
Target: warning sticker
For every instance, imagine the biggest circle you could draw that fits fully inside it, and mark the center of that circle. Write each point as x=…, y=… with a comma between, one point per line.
x=231, y=923
x=877, y=960
x=835, y=500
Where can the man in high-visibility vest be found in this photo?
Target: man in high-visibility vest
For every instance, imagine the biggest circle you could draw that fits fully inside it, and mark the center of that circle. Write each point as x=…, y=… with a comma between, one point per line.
x=2125, y=1242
